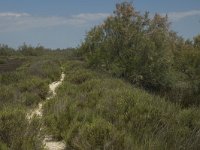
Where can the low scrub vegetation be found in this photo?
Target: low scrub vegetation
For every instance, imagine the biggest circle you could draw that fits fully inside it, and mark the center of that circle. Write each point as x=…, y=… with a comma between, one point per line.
x=95, y=111
x=132, y=84
x=22, y=87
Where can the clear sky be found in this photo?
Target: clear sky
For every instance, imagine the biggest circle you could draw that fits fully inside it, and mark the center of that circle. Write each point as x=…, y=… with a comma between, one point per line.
x=64, y=23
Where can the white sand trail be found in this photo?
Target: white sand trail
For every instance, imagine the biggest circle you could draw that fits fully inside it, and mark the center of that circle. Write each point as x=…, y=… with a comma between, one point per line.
x=49, y=142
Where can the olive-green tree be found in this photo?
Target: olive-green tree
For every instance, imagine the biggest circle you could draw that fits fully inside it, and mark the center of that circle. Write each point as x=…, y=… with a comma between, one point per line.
x=133, y=46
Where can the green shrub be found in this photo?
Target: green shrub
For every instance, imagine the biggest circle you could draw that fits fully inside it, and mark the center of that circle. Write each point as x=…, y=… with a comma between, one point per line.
x=11, y=77
x=35, y=85
x=104, y=110
x=8, y=95
x=3, y=146
x=132, y=46
x=21, y=89
x=12, y=127
x=2, y=61
x=6, y=51
x=99, y=134
x=80, y=76
x=33, y=138
x=30, y=99
x=46, y=69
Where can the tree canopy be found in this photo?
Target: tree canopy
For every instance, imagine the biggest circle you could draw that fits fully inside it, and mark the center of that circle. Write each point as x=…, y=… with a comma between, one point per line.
x=143, y=50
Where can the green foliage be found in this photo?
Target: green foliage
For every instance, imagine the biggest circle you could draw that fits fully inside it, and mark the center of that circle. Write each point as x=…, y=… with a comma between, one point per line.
x=99, y=134
x=197, y=42
x=5, y=50
x=28, y=50
x=93, y=110
x=2, y=61
x=7, y=94
x=108, y=113
x=12, y=127
x=133, y=46
x=34, y=85
x=144, y=51
x=10, y=64
x=3, y=146
x=49, y=68
x=188, y=66
x=30, y=98
x=22, y=88
x=32, y=140
x=16, y=132
x=10, y=78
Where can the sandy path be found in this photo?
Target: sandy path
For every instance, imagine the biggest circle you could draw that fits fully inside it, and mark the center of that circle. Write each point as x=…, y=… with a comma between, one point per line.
x=49, y=142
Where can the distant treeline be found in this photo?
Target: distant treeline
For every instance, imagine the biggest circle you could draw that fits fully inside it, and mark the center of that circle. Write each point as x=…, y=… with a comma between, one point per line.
x=28, y=50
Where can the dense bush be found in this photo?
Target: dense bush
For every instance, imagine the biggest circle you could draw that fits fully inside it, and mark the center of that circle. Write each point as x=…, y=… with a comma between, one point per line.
x=28, y=50
x=133, y=46
x=94, y=110
x=34, y=85
x=105, y=113
x=6, y=51
x=187, y=63
x=11, y=77
x=144, y=51
x=22, y=88
x=7, y=95
x=49, y=68
x=99, y=134
x=3, y=146
x=16, y=132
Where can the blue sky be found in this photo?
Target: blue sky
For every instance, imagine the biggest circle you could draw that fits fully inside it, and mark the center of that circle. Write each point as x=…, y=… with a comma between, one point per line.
x=64, y=23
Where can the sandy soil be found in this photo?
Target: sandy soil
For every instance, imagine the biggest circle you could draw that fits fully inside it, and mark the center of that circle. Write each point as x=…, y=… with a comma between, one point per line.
x=49, y=142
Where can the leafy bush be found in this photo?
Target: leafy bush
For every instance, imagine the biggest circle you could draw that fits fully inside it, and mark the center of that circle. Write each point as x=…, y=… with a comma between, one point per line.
x=28, y=50
x=6, y=51
x=11, y=77
x=30, y=99
x=21, y=89
x=133, y=46
x=107, y=113
x=144, y=51
x=46, y=69
x=35, y=85
x=2, y=61
x=16, y=132
x=12, y=127
x=3, y=146
x=99, y=134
